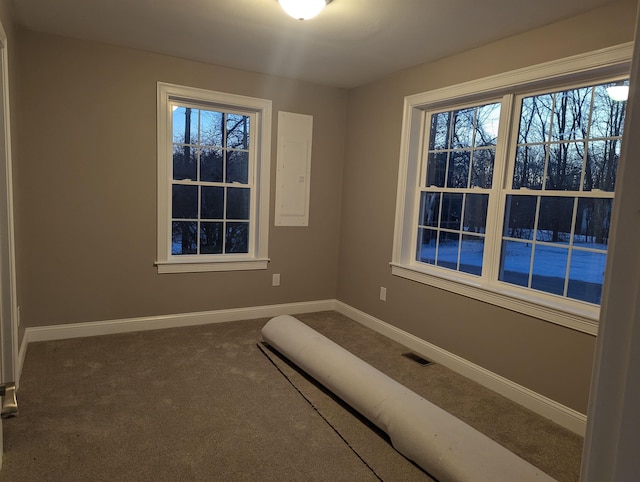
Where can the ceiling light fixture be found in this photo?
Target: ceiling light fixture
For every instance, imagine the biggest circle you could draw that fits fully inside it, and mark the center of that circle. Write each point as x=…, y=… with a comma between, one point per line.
x=303, y=9
x=618, y=92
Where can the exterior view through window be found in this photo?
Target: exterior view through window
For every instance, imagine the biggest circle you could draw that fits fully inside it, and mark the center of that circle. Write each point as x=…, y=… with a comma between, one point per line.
x=210, y=192
x=552, y=215
x=459, y=176
x=213, y=180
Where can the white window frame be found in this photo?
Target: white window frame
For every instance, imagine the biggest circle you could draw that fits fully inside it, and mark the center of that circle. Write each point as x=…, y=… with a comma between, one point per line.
x=590, y=67
x=260, y=111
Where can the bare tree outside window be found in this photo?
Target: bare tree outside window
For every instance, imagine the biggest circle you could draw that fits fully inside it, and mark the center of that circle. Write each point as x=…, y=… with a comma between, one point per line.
x=210, y=160
x=568, y=150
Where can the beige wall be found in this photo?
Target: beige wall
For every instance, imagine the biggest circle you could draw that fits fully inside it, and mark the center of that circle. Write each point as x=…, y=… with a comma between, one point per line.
x=86, y=195
x=546, y=358
x=86, y=189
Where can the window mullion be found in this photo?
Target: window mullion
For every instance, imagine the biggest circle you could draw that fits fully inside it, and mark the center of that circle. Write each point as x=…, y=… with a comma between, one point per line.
x=420, y=183
x=497, y=198
x=165, y=173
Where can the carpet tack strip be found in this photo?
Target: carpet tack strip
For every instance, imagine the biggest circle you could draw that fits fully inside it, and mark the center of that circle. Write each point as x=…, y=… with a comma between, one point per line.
x=262, y=349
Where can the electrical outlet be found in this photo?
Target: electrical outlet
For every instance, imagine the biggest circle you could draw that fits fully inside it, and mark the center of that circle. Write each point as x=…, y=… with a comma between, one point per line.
x=383, y=293
x=275, y=279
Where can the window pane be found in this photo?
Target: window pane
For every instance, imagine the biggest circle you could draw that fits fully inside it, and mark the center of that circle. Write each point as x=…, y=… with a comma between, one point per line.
x=593, y=220
x=427, y=239
x=519, y=217
x=475, y=213
x=214, y=174
x=184, y=202
x=436, y=169
x=185, y=162
x=529, y=167
x=429, y=209
x=487, y=123
x=185, y=125
x=557, y=163
x=586, y=276
x=482, y=168
x=439, y=133
x=237, y=131
x=211, y=165
x=554, y=220
x=565, y=166
x=607, y=119
x=451, y=211
x=211, y=128
x=602, y=165
x=211, y=238
x=535, y=119
x=571, y=114
x=515, y=262
x=471, y=253
x=462, y=128
x=448, y=246
x=549, y=269
x=237, y=238
x=183, y=237
x=238, y=167
x=238, y=203
x=212, y=200
x=459, y=169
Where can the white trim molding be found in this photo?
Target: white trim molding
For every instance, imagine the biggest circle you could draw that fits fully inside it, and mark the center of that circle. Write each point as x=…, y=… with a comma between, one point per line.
x=201, y=267
x=562, y=415
x=604, y=62
x=8, y=285
x=170, y=96
x=608, y=64
x=544, y=406
x=109, y=327
x=514, y=299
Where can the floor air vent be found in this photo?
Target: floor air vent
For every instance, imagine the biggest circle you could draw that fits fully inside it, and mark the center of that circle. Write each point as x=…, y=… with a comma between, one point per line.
x=417, y=358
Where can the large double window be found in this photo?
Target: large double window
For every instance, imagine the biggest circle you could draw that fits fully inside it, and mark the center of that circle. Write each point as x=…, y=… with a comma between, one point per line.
x=507, y=196
x=213, y=180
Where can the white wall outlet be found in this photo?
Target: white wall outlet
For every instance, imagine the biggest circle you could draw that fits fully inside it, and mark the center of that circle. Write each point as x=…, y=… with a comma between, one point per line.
x=383, y=293
x=275, y=279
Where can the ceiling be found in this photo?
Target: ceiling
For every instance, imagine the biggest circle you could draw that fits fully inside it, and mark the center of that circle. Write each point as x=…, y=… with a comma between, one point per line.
x=350, y=43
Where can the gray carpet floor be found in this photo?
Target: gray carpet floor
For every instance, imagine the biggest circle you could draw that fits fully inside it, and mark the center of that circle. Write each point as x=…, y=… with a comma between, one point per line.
x=205, y=403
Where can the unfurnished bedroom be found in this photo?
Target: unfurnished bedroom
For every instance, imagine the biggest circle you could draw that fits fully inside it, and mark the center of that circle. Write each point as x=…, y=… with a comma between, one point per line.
x=319, y=240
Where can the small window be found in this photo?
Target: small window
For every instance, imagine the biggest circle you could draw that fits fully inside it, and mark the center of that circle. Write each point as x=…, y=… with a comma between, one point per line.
x=459, y=176
x=213, y=180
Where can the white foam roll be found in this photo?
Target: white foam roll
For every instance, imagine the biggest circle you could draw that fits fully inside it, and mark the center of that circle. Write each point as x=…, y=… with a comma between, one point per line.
x=444, y=446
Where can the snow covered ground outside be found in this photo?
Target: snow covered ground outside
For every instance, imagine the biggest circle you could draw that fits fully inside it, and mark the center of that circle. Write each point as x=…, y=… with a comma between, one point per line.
x=586, y=273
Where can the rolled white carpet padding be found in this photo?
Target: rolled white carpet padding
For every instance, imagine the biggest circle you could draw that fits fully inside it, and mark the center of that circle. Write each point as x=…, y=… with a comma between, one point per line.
x=444, y=446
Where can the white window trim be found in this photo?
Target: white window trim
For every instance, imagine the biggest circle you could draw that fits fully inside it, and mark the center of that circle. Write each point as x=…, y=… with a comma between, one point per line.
x=257, y=258
x=613, y=61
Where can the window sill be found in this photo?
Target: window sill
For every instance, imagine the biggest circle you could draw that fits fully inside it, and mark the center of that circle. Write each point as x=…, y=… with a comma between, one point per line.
x=200, y=266
x=570, y=315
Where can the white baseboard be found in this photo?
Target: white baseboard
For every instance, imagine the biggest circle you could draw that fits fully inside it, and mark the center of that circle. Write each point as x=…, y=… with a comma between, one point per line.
x=109, y=327
x=560, y=414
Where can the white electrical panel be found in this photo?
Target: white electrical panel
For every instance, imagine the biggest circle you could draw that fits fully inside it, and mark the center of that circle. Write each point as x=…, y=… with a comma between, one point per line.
x=293, y=180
